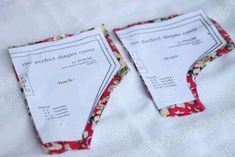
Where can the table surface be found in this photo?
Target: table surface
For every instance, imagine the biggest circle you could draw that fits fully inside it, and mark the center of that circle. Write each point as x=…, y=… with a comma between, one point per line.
x=139, y=130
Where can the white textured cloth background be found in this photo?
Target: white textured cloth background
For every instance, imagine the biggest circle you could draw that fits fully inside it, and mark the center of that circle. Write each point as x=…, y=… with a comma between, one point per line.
x=130, y=125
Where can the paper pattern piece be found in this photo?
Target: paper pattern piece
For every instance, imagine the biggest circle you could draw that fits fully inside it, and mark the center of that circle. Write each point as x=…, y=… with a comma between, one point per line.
x=67, y=81
x=168, y=39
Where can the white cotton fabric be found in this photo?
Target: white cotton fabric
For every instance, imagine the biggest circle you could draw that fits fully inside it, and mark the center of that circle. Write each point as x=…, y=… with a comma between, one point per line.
x=130, y=125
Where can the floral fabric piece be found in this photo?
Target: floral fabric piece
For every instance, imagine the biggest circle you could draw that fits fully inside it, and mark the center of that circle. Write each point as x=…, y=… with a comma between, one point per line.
x=196, y=105
x=84, y=143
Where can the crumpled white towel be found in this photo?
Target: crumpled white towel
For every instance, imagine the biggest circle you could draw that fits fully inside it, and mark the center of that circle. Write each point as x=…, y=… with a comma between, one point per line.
x=130, y=125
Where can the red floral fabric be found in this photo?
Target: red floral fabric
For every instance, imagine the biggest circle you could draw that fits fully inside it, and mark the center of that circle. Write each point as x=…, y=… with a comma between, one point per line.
x=84, y=143
x=196, y=105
